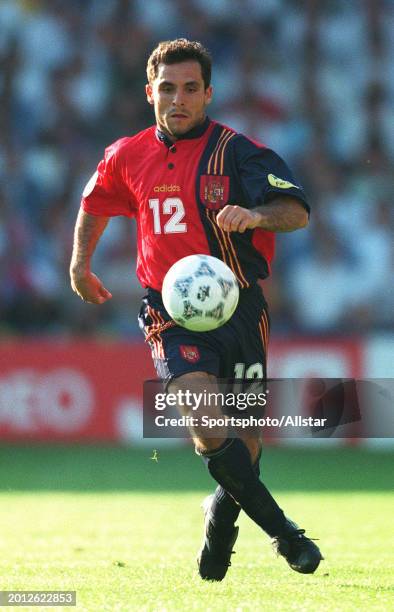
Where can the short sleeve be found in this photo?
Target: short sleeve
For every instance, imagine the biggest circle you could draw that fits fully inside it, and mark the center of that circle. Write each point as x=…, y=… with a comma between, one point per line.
x=105, y=193
x=263, y=173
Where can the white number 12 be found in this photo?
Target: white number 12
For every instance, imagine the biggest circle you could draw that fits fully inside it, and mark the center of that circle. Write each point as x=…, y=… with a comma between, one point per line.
x=173, y=207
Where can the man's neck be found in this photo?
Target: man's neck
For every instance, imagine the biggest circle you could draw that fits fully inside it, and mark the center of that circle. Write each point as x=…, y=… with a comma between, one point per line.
x=195, y=132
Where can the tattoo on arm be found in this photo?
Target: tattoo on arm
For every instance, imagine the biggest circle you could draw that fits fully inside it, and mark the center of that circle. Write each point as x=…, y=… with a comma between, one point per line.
x=283, y=214
x=88, y=230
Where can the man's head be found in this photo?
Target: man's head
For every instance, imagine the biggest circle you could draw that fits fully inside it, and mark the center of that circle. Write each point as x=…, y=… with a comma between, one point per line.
x=179, y=76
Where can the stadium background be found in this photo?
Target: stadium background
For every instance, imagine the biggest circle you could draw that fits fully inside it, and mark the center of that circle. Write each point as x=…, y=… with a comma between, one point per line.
x=82, y=501
x=315, y=81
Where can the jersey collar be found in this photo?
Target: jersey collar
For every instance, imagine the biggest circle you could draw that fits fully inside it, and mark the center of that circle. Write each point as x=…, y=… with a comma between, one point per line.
x=195, y=132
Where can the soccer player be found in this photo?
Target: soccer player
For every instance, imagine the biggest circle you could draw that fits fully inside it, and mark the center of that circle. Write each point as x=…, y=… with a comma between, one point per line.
x=196, y=186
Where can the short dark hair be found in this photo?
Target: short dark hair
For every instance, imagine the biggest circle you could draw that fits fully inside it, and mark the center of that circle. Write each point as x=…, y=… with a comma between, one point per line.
x=176, y=51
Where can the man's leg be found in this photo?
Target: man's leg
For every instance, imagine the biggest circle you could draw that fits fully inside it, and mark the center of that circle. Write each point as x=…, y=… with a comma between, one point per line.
x=221, y=512
x=230, y=463
x=223, y=508
x=220, y=509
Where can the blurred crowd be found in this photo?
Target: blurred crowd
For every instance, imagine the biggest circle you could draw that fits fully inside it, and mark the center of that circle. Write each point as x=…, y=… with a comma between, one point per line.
x=313, y=80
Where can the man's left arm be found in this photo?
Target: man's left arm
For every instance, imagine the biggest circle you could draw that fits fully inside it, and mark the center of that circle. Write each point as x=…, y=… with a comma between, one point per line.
x=282, y=214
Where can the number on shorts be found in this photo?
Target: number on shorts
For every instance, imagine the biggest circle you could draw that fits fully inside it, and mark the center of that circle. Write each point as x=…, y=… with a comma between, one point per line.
x=253, y=371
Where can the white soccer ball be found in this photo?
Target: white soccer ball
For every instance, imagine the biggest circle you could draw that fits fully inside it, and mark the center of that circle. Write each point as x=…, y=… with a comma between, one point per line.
x=200, y=292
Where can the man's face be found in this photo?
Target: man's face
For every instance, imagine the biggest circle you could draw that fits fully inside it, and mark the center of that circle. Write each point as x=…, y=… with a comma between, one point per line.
x=179, y=97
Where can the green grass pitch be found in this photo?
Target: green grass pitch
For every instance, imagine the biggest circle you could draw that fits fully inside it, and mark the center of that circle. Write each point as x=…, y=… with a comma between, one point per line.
x=123, y=530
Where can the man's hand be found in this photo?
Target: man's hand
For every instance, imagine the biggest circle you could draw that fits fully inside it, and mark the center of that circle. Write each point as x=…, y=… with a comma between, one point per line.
x=282, y=214
x=89, y=287
x=234, y=218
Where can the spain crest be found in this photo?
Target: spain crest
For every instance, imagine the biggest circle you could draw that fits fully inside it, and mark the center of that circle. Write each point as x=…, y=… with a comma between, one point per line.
x=190, y=353
x=214, y=191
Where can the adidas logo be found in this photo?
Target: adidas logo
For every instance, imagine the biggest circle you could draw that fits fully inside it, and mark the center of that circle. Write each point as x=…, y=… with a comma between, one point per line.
x=166, y=188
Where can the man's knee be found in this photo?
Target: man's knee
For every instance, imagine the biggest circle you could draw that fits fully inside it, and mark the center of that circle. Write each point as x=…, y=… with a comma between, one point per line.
x=204, y=446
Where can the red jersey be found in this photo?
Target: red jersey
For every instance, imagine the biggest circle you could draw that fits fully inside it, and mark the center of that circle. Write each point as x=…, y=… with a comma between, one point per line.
x=174, y=191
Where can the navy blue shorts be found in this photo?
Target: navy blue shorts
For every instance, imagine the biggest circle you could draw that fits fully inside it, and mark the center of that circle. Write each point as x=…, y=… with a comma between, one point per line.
x=235, y=350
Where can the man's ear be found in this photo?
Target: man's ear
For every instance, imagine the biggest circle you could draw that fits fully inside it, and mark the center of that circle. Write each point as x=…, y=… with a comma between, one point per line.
x=208, y=94
x=149, y=93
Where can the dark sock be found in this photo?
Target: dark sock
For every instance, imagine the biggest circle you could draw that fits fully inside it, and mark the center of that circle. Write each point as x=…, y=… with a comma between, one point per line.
x=231, y=467
x=224, y=509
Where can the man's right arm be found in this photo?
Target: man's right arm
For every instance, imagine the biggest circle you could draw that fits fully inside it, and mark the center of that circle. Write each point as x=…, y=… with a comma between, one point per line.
x=88, y=230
